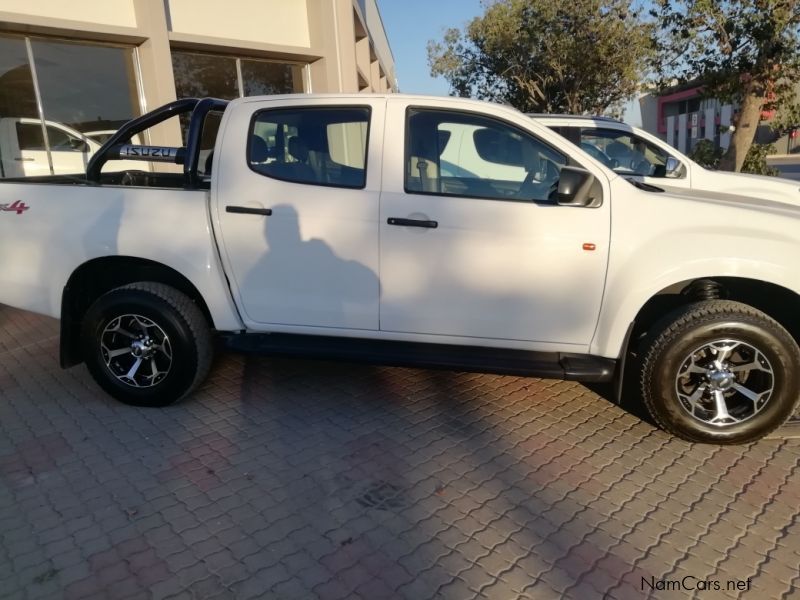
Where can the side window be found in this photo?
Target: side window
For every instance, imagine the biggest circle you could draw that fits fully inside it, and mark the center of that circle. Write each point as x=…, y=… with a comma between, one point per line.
x=29, y=136
x=318, y=146
x=61, y=141
x=625, y=153
x=462, y=154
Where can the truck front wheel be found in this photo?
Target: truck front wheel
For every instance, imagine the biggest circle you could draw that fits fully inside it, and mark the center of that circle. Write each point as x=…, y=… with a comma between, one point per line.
x=146, y=344
x=721, y=372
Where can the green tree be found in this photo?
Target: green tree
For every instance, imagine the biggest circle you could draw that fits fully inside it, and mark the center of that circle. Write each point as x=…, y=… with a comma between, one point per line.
x=580, y=56
x=706, y=154
x=744, y=51
x=756, y=160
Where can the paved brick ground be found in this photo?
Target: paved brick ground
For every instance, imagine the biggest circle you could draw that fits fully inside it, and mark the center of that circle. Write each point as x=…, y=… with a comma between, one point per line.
x=296, y=479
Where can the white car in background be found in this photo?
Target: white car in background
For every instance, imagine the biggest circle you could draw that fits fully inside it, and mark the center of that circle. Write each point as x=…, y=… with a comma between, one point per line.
x=632, y=152
x=23, y=152
x=101, y=136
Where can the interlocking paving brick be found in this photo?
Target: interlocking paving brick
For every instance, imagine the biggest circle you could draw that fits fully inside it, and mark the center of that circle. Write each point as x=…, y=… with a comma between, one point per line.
x=309, y=479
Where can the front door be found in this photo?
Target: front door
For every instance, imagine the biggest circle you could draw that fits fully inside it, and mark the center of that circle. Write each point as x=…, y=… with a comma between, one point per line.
x=472, y=246
x=297, y=203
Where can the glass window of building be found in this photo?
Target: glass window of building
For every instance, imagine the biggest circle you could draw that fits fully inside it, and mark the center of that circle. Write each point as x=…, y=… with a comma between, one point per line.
x=261, y=78
x=201, y=75
x=204, y=75
x=85, y=92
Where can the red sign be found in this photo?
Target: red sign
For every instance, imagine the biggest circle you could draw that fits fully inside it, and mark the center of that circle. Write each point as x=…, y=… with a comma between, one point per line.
x=18, y=207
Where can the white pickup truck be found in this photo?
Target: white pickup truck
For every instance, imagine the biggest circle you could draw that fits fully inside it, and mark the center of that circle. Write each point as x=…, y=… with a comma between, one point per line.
x=330, y=225
x=632, y=152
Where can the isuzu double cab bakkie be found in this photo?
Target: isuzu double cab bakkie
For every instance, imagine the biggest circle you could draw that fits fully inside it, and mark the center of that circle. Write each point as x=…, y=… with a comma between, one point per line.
x=346, y=225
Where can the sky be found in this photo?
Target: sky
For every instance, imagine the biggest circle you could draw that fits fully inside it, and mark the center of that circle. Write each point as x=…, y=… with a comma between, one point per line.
x=410, y=24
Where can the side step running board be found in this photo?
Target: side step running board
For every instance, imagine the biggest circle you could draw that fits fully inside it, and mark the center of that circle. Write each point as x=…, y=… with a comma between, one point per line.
x=548, y=365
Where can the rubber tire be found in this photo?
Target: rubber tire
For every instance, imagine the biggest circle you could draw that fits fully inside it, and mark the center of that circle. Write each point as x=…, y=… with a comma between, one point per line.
x=692, y=326
x=181, y=320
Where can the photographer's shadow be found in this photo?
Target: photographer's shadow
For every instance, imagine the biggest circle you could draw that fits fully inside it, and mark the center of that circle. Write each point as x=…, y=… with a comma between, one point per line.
x=303, y=282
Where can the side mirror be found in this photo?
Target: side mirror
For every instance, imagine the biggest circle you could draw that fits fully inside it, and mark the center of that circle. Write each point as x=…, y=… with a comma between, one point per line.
x=578, y=187
x=673, y=168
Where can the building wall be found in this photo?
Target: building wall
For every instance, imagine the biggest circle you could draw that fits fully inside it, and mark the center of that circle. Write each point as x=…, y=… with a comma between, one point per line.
x=684, y=116
x=118, y=13
x=158, y=50
x=276, y=21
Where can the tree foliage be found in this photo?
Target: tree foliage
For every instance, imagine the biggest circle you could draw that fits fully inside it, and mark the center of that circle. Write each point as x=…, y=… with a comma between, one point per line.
x=743, y=51
x=706, y=154
x=756, y=160
x=580, y=56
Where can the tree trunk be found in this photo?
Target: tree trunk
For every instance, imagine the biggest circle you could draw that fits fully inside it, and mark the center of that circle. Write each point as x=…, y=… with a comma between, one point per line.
x=746, y=124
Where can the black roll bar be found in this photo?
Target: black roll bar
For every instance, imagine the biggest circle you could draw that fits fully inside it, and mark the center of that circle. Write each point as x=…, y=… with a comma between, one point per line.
x=195, y=137
x=115, y=147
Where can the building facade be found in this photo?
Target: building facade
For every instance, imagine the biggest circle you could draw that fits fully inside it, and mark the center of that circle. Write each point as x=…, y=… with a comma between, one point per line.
x=72, y=72
x=682, y=116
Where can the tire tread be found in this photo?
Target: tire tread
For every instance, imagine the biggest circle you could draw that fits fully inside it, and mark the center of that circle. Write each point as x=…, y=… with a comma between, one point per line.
x=193, y=317
x=699, y=313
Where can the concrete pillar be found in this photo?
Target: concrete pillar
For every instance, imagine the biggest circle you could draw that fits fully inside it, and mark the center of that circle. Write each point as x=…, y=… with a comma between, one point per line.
x=671, y=131
x=725, y=116
x=332, y=29
x=711, y=125
x=682, y=124
x=155, y=64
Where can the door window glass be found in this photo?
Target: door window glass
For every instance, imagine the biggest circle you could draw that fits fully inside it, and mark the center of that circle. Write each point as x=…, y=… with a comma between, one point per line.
x=623, y=152
x=461, y=154
x=61, y=141
x=320, y=146
x=29, y=137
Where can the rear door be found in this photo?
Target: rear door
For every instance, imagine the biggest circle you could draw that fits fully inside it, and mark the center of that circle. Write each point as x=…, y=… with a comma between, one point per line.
x=297, y=195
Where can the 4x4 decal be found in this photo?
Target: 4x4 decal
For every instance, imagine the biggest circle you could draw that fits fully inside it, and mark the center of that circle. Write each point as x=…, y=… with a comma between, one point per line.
x=19, y=207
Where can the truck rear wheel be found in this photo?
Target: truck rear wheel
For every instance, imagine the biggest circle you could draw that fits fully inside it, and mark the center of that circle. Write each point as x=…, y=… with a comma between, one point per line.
x=146, y=344
x=720, y=372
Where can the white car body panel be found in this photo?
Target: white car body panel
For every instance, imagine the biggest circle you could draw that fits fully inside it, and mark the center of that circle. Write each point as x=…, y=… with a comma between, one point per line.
x=66, y=226
x=494, y=273
x=694, y=176
x=30, y=163
x=660, y=240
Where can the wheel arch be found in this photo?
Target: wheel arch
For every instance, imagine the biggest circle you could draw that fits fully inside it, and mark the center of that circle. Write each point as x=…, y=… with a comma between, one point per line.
x=95, y=277
x=777, y=301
